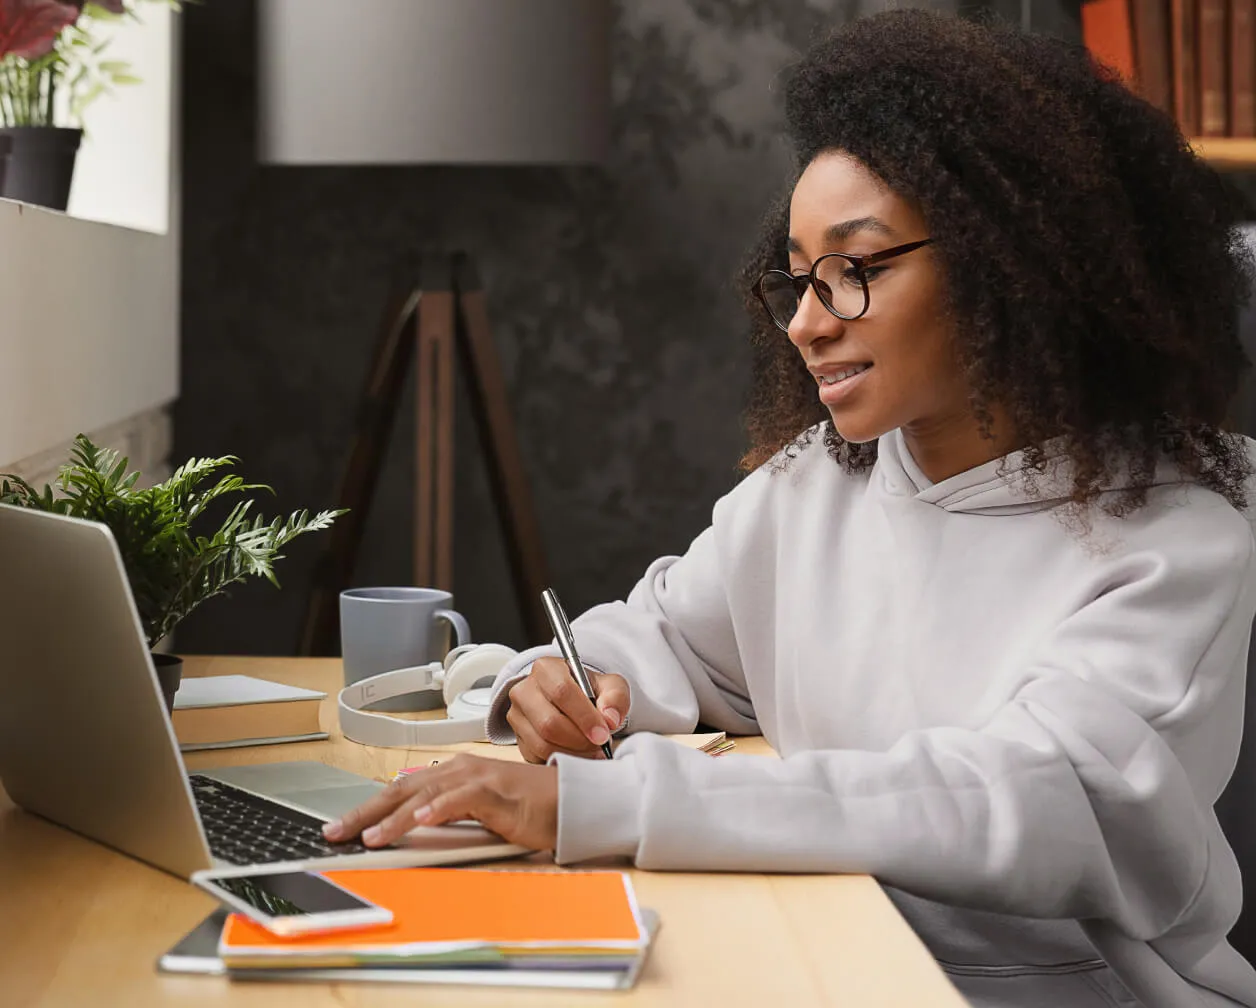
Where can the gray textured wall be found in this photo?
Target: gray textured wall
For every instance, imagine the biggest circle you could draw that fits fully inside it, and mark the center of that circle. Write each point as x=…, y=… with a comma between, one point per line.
x=610, y=288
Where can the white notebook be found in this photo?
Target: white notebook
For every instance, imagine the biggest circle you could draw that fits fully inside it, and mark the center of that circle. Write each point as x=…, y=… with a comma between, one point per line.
x=233, y=690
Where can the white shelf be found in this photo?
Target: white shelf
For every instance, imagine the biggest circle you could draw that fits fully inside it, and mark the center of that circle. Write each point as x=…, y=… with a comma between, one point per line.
x=89, y=326
x=89, y=300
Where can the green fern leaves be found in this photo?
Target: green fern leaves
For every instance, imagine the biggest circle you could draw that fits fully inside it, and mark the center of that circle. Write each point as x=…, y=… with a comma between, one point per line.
x=171, y=568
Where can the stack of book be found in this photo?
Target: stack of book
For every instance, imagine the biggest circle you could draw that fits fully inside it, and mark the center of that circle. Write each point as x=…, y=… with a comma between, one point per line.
x=713, y=744
x=220, y=712
x=458, y=925
x=1192, y=58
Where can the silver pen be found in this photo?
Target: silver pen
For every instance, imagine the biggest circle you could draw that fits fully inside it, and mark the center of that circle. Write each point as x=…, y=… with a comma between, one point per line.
x=567, y=644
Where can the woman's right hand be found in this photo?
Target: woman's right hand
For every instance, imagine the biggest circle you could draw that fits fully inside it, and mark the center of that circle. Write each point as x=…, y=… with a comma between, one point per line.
x=550, y=713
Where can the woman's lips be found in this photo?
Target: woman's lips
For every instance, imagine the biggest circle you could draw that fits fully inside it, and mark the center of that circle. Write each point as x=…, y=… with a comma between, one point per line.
x=835, y=394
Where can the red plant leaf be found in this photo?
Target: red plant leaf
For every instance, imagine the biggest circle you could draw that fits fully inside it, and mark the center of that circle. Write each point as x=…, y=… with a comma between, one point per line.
x=29, y=27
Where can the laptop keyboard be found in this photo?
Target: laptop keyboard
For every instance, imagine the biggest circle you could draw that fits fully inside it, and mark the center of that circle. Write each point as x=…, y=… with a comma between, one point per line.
x=245, y=829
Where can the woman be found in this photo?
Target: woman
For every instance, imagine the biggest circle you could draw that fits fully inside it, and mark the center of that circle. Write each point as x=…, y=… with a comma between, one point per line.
x=988, y=587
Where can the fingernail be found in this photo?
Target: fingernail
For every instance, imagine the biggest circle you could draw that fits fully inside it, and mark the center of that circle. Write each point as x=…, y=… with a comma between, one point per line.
x=421, y=815
x=599, y=735
x=371, y=836
x=332, y=829
x=612, y=718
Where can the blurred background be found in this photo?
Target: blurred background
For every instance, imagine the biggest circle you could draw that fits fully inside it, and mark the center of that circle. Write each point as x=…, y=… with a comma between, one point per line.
x=236, y=283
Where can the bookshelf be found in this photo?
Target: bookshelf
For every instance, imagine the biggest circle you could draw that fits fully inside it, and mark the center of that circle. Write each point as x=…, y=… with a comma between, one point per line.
x=1063, y=19
x=1227, y=153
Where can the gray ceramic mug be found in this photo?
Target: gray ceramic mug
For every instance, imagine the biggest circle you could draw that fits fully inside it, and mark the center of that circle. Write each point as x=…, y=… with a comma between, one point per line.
x=382, y=629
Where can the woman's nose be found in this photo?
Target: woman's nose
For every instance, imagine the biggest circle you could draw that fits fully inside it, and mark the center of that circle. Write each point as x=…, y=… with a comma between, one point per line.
x=813, y=322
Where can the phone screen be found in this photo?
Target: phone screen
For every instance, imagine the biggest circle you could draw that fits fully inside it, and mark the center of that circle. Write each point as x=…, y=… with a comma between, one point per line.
x=290, y=894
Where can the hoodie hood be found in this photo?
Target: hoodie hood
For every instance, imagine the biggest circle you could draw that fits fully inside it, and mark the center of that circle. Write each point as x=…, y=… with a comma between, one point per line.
x=999, y=487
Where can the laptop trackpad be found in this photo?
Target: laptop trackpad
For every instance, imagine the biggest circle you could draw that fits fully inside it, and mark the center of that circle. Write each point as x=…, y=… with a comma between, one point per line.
x=332, y=803
x=324, y=790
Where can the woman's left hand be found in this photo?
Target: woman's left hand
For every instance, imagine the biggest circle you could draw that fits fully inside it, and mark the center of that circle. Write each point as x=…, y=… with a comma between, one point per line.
x=517, y=801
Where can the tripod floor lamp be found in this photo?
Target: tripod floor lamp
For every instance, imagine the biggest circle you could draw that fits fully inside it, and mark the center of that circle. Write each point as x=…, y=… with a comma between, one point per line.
x=436, y=322
x=433, y=82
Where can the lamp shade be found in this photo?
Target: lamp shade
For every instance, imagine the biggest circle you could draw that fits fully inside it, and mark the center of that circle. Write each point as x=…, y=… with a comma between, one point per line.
x=433, y=81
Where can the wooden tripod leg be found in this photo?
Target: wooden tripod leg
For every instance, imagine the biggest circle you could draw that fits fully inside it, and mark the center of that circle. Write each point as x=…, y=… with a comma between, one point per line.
x=434, y=427
x=377, y=411
x=511, y=494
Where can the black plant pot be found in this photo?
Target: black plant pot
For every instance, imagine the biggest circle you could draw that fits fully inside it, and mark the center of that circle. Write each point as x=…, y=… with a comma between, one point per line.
x=169, y=675
x=40, y=165
x=6, y=144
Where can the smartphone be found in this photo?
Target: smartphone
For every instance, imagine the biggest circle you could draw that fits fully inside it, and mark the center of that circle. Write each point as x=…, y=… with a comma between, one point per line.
x=290, y=902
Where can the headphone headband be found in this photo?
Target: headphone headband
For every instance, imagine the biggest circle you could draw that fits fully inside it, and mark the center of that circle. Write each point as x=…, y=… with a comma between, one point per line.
x=456, y=677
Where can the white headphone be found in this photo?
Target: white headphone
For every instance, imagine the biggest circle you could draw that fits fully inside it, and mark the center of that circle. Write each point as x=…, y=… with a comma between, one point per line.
x=455, y=677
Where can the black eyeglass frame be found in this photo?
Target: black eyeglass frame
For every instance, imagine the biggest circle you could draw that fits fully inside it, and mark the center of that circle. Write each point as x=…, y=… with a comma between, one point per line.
x=858, y=263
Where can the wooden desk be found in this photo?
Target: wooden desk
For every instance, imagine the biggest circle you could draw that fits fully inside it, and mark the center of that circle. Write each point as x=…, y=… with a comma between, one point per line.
x=81, y=926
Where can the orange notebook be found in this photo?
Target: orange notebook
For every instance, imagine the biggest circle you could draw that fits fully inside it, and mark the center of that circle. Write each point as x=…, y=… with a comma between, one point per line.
x=446, y=909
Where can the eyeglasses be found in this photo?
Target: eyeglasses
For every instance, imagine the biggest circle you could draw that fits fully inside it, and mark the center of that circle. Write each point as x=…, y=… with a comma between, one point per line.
x=839, y=280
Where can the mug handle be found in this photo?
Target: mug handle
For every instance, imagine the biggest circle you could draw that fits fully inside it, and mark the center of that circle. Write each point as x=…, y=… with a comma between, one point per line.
x=462, y=631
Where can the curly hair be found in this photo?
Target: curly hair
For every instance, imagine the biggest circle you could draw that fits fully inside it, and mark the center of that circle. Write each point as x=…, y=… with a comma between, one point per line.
x=1091, y=261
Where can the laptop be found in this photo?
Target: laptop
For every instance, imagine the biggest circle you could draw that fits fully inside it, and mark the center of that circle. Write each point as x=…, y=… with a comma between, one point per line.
x=85, y=740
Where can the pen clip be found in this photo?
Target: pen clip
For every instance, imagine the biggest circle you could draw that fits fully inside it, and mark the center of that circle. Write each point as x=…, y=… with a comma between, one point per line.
x=558, y=618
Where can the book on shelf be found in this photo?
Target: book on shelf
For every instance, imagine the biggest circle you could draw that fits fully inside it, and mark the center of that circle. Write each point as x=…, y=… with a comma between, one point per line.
x=1183, y=34
x=1242, y=80
x=1214, y=91
x=1107, y=32
x=1153, y=62
x=216, y=712
x=1193, y=59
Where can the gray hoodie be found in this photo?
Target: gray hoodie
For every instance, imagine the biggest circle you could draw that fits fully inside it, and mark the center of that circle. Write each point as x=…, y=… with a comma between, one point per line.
x=1019, y=727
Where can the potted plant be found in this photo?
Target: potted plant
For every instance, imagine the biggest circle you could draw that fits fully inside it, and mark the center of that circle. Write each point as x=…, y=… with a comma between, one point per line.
x=171, y=564
x=53, y=65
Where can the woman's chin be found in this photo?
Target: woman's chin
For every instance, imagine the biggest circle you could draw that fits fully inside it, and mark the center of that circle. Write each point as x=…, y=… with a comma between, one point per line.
x=856, y=430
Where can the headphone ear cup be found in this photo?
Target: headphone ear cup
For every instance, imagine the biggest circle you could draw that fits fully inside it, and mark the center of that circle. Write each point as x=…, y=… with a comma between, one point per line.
x=479, y=661
x=455, y=653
